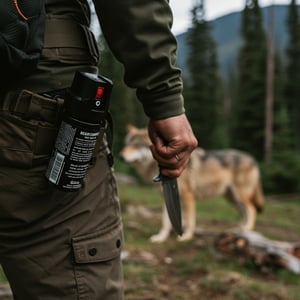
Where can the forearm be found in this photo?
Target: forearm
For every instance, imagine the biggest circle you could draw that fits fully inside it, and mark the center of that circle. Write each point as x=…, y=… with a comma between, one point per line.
x=140, y=37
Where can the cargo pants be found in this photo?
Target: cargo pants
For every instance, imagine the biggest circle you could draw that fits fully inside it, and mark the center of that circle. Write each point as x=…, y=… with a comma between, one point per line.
x=54, y=244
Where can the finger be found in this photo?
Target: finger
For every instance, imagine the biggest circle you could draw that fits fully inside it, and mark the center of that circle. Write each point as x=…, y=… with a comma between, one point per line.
x=173, y=173
x=170, y=164
x=164, y=159
x=169, y=151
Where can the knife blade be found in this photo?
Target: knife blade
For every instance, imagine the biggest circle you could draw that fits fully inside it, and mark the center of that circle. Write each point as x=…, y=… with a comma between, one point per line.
x=172, y=200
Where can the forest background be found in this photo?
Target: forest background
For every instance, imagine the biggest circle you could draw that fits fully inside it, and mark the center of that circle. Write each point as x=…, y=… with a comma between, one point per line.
x=241, y=87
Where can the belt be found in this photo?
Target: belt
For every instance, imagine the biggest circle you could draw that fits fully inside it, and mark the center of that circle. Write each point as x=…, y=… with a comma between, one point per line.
x=63, y=32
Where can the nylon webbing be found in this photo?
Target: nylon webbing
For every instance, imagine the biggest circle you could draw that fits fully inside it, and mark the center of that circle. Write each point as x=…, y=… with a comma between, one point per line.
x=63, y=33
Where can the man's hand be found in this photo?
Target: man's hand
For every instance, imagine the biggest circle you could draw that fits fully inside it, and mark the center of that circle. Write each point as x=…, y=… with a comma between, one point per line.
x=172, y=143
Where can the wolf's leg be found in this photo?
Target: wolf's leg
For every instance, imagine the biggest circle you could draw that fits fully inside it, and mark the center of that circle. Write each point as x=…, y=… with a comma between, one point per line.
x=249, y=219
x=188, y=200
x=165, y=229
x=245, y=207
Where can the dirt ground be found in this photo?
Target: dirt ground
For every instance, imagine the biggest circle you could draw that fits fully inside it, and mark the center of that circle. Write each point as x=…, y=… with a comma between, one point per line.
x=196, y=270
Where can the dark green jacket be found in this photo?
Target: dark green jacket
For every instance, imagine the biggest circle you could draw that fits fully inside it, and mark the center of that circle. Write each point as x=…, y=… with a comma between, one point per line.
x=138, y=33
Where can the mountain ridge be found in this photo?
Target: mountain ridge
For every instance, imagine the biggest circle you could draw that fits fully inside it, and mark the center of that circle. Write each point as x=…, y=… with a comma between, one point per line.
x=226, y=34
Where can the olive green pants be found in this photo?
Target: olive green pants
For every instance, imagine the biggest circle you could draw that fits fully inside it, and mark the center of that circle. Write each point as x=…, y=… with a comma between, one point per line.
x=57, y=245
x=54, y=244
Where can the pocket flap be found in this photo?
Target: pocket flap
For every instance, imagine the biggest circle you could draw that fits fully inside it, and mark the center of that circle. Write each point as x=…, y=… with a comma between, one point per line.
x=98, y=247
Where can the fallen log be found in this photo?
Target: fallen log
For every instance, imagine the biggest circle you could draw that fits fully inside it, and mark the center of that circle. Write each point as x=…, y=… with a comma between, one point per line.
x=262, y=251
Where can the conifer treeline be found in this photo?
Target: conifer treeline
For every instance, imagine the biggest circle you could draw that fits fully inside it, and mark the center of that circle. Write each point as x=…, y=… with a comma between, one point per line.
x=232, y=112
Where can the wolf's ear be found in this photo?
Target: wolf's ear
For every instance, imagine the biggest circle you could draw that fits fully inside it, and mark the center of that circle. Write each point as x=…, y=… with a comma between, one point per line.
x=131, y=128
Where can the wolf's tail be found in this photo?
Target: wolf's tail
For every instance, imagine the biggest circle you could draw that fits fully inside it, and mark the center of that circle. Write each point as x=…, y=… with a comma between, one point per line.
x=258, y=198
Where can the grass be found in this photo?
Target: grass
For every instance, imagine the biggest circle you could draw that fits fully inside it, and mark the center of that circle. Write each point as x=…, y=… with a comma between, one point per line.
x=195, y=270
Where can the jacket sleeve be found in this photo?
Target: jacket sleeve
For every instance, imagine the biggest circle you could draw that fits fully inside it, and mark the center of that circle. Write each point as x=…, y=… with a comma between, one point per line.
x=138, y=33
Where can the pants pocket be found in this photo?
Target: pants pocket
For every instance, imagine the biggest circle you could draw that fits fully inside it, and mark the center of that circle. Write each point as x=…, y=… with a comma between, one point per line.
x=24, y=143
x=97, y=265
x=29, y=125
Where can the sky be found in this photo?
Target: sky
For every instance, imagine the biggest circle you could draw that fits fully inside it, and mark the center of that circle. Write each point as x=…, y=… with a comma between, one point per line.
x=213, y=9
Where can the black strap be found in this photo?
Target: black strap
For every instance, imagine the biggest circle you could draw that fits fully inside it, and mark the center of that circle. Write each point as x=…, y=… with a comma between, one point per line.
x=108, y=123
x=110, y=157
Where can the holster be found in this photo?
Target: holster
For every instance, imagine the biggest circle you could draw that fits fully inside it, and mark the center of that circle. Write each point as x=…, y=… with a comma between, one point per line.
x=29, y=125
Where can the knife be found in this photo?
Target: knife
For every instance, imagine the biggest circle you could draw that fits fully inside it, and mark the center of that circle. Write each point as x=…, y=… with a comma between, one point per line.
x=172, y=200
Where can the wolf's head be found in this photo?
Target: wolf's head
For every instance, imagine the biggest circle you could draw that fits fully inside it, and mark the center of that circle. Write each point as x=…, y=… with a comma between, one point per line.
x=137, y=153
x=136, y=145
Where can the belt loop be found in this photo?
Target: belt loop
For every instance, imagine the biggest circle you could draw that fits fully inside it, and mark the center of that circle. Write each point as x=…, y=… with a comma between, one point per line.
x=24, y=105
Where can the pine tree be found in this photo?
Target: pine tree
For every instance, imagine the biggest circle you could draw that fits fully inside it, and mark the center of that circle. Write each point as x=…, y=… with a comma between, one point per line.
x=250, y=104
x=292, y=87
x=202, y=92
x=282, y=175
x=270, y=74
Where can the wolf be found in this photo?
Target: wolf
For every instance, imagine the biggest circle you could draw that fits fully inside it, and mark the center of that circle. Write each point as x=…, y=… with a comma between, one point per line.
x=229, y=173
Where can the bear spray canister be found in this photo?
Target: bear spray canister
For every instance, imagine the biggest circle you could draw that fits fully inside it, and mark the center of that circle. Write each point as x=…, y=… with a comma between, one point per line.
x=84, y=114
